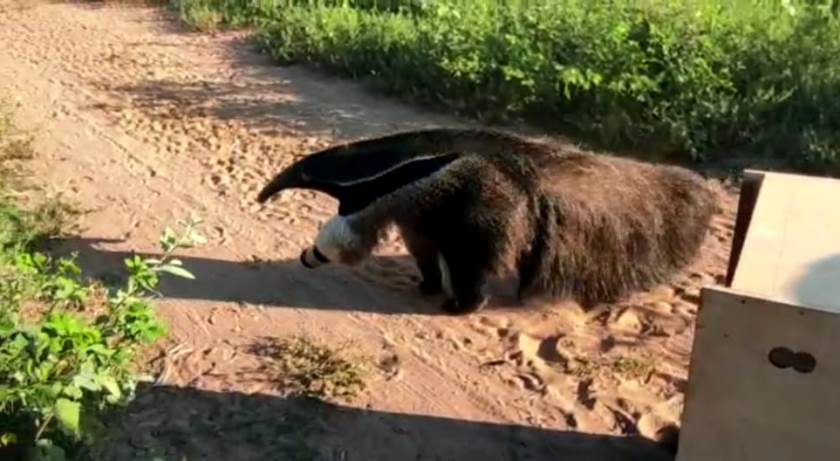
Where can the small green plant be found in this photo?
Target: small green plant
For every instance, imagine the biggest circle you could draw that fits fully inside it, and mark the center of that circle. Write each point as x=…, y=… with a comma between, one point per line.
x=59, y=373
x=203, y=19
x=15, y=147
x=211, y=15
x=303, y=367
x=634, y=368
x=626, y=367
x=67, y=347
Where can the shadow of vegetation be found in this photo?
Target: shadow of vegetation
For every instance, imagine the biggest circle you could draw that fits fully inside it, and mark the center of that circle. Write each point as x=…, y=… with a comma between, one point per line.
x=264, y=94
x=811, y=288
x=284, y=283
x=354, y=107
x=166, y=18
x=294, y=101
x=183, y=423
x=259, y=104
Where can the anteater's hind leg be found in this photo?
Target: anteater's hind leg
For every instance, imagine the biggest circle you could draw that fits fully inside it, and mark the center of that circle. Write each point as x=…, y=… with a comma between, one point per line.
x=468, y=279
x=528, y=267
x=425, y=253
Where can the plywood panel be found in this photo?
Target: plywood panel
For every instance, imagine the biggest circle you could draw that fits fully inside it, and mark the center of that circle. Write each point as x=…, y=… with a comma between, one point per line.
x=792, y=247
x=740, y=406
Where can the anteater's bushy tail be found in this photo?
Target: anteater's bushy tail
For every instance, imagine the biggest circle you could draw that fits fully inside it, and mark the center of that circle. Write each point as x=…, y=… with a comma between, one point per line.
x=636, y=226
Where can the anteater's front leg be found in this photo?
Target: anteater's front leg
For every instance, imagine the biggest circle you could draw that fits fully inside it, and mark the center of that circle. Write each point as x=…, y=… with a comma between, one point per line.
x=425, y=253
x=468, y=279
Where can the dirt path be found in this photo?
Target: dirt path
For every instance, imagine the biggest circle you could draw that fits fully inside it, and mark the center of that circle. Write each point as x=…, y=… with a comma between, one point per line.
x=143, y=123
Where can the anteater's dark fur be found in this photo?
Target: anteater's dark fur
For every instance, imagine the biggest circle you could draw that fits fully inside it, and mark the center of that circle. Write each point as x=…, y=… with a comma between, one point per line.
x=573, y=224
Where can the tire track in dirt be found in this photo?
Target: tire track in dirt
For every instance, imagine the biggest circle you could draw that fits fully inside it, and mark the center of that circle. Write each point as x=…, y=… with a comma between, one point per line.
x=144, y=122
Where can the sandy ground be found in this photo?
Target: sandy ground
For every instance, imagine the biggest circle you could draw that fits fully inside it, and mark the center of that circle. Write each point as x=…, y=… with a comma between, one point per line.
x=142, y=122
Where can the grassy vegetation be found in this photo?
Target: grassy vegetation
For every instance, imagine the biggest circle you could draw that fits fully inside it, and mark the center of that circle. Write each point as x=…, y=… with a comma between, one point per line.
x=696, y=79
x=67, y=347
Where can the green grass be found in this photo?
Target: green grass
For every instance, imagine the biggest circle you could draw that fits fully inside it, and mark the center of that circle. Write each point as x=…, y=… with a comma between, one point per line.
x=693, y=79
x=68, y=348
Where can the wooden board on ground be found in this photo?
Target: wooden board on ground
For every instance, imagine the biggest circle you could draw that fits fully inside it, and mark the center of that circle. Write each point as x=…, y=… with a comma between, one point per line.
x=764, y=380
x=791, y=246
x=740, y=405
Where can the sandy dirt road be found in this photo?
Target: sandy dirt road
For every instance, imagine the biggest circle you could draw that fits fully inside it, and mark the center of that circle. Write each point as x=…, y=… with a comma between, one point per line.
x=142, y=122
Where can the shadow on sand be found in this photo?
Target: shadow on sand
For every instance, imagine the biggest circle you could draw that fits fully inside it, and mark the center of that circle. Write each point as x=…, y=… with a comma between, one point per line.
x=184, y=423
x=383, y=284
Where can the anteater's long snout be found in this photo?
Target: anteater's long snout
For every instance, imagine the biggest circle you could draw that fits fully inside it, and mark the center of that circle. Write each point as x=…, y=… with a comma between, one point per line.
x=312, y=258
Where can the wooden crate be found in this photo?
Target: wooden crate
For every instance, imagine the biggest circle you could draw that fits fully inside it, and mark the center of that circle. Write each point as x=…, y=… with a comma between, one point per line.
x=764, y=380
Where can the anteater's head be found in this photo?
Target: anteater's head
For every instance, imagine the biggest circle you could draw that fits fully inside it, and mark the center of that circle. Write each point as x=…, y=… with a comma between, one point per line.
x=358, y=174
x=337, y=242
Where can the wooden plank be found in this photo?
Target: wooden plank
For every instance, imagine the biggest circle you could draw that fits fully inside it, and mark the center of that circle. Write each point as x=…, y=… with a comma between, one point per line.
x=750, y=186
x=792, y=247
x=740, y=406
